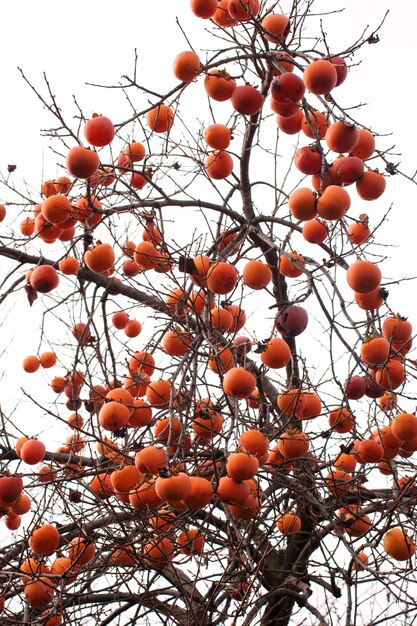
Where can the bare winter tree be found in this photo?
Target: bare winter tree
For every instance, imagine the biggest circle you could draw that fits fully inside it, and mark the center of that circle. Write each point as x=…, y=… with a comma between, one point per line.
x=217, y=348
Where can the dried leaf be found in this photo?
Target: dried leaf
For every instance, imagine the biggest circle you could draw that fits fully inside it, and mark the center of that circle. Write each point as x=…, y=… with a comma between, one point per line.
x=32, y=294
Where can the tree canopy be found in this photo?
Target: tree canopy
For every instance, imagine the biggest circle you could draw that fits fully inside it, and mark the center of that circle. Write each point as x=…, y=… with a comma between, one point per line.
x=214, y=345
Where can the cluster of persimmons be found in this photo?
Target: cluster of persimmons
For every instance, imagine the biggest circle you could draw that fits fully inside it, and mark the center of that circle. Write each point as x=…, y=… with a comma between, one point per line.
x=209, y=445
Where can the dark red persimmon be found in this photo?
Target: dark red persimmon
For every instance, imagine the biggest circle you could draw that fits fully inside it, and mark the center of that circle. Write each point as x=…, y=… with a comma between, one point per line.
x=44, y=278
x=246, y=100
x=99, y=131
x=82, y=162
x=287, y=88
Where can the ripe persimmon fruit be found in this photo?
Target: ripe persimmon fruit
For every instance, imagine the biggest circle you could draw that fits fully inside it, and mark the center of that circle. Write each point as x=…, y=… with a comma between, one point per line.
x=82, y=162
x=160, y=119
x=99, y=131
x=187, y=66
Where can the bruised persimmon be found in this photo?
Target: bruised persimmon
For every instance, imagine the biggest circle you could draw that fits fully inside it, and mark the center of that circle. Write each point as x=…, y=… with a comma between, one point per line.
x=82, y=162
x=287, y=88
x=10, y=489
x=113, y=416
x=246, y=100
x=44, y=278
x=320, y=77
x=118, y=394
x=308, y=159
x=222, y=277
x=27, y=226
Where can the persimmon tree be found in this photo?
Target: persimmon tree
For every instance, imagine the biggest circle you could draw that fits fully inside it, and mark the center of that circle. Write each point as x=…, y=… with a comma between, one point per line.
x=216, y=347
